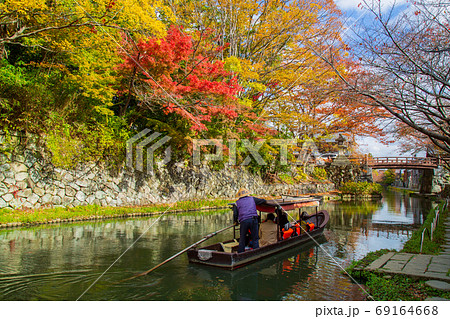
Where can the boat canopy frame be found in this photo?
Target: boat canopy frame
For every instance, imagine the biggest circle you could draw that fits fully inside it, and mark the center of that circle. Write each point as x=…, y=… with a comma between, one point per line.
x=282, y=205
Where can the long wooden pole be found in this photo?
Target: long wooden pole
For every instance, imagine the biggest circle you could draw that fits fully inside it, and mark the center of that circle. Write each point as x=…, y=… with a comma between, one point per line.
x=180, y=252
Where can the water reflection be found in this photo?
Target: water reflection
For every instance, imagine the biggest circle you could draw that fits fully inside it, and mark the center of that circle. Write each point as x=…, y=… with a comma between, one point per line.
x=61, y=262
x=268, y=279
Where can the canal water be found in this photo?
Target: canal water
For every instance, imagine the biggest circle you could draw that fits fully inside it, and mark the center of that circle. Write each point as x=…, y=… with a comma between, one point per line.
x=63, y=262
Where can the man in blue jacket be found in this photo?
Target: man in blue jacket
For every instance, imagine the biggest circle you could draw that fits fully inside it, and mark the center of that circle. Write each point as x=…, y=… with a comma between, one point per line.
x=245, y=213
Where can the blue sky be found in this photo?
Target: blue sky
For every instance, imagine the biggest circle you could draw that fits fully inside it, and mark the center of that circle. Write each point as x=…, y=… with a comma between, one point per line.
x=351, y=10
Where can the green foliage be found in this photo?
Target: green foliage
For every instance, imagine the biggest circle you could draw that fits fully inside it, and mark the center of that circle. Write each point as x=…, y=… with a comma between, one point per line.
x=270, y=155
x=319, y=173
x=43, y=102
x=63, y=147
x=24, y=97
x=286, y=178
x=401, y=190
x=366, y=261
x=11, y=76
x=390, y=288
x=5, y=142
x=400, y=288
x=361, y=188
x=388, y=177
x=86, y=142
x=300, y=175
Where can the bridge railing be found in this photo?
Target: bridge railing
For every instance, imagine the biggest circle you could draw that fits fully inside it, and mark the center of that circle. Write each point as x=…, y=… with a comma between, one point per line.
x=398, y=161
x=427, y=161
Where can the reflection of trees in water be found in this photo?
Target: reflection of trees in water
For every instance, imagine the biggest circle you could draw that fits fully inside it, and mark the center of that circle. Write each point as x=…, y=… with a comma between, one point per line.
x=408, y=205
x=359, y=214
x=351, y=223
x=90, y=243
x=349, y=215
x=268, y=279
x=210, y=291
x=325, y=281
x=44, y=252
x=48, y=260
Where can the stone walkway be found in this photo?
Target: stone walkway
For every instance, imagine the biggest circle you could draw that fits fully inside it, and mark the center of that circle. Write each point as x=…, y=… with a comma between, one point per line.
x=417, y=265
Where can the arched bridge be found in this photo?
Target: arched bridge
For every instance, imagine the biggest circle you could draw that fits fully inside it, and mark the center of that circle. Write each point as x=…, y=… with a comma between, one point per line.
x=424, y=164
x=403, y=162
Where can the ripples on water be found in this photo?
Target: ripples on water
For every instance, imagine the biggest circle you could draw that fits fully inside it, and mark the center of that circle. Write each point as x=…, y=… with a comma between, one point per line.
x=61, y=262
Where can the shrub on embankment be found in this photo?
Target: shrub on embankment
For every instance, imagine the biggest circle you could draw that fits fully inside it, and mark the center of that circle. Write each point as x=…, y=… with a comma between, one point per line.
x=361, y=188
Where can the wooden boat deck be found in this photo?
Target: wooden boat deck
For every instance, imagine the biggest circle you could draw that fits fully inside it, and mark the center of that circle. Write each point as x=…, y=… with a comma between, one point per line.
x=225, y=255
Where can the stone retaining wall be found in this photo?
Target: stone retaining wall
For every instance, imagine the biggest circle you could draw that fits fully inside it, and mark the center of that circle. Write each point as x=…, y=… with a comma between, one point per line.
x=432, y=181
x=441, y=178
x=28, y=179
x=340, y=174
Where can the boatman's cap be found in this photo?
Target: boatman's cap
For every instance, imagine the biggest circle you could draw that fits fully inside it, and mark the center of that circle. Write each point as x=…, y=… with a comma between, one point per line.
x=243, y=192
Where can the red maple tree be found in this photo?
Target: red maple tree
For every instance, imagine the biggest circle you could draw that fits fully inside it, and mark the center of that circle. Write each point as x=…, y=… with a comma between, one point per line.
x=182, y=77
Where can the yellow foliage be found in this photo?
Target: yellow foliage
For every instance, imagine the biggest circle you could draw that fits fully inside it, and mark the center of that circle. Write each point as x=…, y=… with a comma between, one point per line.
x=22, y=8
x=265, y=40
x=246, y=72
x=86, y=34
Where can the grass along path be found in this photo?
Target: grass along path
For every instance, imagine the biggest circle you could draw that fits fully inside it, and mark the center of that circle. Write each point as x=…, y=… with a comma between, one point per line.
x=384, y=287
x=429, y=247
x=17, y=218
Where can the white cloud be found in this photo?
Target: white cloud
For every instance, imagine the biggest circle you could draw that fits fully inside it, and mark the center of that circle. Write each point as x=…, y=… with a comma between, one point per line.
x=371, y=145
x=347, y=4
x=353, y=4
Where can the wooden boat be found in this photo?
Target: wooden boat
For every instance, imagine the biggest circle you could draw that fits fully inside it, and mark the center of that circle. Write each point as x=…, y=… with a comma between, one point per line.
x=225, y=255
